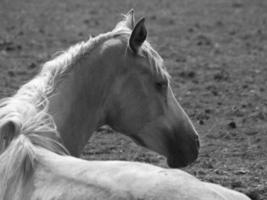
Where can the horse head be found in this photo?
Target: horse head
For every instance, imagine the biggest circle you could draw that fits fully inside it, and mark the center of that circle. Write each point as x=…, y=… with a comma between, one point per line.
x=141, y=103
x=118, y=79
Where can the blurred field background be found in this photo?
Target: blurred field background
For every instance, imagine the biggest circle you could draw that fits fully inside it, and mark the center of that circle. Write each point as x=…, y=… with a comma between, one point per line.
x=215, y=50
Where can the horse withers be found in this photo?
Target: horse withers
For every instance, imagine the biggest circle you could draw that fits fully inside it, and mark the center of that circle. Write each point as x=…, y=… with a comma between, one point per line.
x=117, y=79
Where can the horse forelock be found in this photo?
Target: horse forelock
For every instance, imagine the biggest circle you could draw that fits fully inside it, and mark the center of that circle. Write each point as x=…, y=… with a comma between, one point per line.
x=155, y=61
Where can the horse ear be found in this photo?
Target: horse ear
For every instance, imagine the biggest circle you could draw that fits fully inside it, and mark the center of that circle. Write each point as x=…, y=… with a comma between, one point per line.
x=129, y=19
x=138, y=36
x=7, y=132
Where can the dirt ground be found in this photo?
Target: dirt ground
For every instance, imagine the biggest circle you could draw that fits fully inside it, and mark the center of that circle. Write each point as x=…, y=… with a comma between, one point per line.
x=215, y=50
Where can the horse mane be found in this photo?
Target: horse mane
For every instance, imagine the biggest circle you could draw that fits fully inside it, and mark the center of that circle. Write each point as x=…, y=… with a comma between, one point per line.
x=17, y=163
x=64, y=62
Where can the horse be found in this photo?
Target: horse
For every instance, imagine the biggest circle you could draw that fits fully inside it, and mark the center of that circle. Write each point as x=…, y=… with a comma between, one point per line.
x=115, y=79
x=36, y=166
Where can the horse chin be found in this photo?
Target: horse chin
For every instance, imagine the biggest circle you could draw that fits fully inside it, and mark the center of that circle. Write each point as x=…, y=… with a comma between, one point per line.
x=176, y=163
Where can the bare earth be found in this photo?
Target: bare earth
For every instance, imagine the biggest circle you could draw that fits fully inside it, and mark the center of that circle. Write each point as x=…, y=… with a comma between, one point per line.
x=215, y=50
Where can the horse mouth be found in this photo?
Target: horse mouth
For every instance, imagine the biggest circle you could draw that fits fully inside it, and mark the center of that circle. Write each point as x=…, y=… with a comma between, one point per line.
x=178, y=156
x=177, y=163
x=181, y=158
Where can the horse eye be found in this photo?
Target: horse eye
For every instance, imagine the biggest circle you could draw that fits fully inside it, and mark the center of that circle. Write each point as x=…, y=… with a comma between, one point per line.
x=161, y=86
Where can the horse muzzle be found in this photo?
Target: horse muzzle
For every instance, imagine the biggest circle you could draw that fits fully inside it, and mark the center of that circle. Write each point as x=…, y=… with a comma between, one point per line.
x=183, y=154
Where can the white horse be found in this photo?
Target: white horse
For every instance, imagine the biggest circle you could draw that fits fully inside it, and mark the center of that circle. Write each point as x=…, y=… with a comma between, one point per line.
x=30, y=170
x=117, y=79
x=34, y=164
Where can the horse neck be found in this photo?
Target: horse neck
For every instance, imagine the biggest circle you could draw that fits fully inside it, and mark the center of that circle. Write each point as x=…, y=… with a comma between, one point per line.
x=78, y=104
